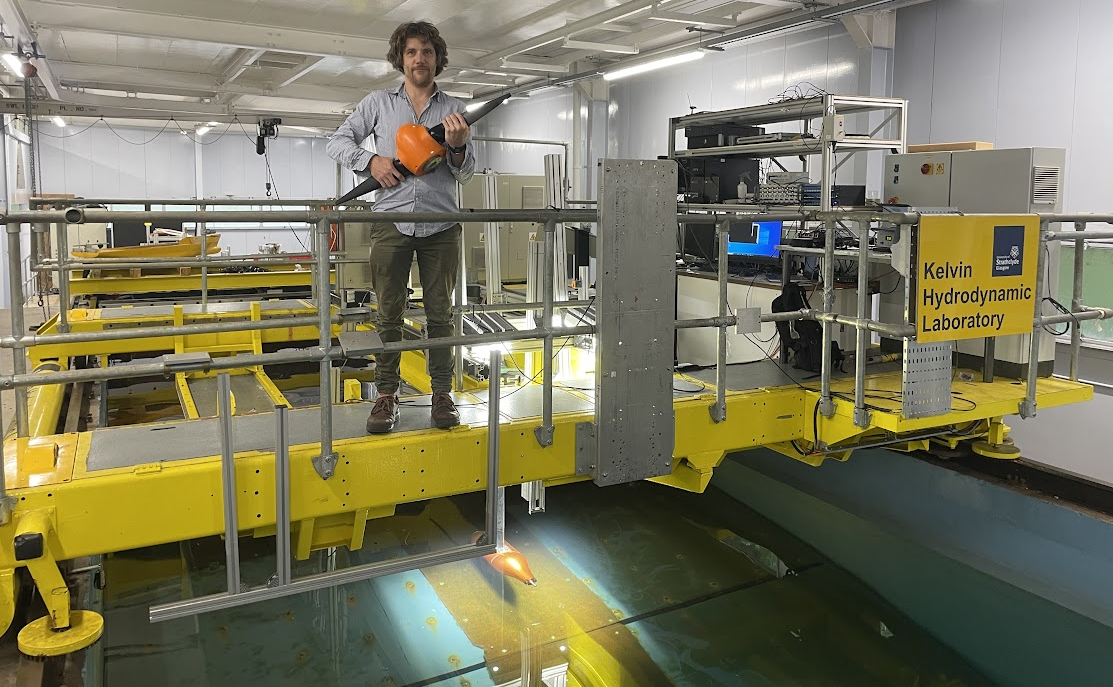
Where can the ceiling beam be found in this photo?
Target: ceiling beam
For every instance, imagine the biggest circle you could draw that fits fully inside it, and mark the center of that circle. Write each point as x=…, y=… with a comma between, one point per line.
x=121, y=22
x=299, y=71
x=149, y=80
x=239, y=64
x=49, y=108
x=591, y=22
x=690, y=19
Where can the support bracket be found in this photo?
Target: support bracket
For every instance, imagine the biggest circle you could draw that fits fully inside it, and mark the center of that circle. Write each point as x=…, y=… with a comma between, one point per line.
x=325, y=465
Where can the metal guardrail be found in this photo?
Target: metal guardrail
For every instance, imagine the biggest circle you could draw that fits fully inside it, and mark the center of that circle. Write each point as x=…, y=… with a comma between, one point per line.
x=325, y=352
x=1078, y=310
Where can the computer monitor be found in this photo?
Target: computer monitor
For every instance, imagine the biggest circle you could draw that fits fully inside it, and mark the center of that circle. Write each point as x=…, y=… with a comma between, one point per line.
x=754, y=239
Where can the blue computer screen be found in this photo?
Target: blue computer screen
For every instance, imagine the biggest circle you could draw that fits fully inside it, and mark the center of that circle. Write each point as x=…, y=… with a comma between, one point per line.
x=758, y=240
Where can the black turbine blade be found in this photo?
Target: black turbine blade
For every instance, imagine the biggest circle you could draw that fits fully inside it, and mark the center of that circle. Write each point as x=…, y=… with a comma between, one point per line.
x=472, y=117
x=371, y=184
x=367, y=186
x=481, y=112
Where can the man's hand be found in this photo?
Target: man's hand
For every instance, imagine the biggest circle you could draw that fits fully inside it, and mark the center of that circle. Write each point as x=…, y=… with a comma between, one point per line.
x=455, y=130
x=383, y=170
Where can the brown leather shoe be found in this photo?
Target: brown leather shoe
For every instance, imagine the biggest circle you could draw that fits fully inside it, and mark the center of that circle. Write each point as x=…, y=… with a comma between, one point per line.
x=384, y=415
x=444, y=411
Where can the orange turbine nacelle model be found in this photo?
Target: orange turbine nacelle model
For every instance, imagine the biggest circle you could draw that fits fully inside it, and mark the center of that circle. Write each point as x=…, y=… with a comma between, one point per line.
x=509, y=561
x=420, y=150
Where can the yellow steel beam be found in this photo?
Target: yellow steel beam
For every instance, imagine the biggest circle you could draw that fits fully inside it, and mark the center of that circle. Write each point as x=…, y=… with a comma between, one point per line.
x=115, y=509
x=168, y=283
x=44, y=403
x=185, y=396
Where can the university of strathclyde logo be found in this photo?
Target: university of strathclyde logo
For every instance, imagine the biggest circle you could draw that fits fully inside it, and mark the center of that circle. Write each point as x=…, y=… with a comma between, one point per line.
x=1008, y=251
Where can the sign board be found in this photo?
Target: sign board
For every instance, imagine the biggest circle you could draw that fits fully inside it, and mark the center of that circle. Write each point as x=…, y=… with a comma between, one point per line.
x=975, y=276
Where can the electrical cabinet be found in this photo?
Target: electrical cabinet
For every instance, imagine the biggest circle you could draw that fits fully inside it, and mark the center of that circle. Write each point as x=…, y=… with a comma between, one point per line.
x=1006, y=181
x=513, y=192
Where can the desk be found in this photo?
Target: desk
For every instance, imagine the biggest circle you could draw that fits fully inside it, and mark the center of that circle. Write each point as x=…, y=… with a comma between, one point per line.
x=697, y=296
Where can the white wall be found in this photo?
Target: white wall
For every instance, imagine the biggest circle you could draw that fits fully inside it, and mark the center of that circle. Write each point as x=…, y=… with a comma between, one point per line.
x=545, y=115
x=122, y=162
x=117, y=162
x=638, y=108
x=1015, y=73
x=749, y=74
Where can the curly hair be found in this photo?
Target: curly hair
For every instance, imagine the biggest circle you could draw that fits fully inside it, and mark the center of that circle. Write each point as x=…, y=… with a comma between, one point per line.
x=417, y=29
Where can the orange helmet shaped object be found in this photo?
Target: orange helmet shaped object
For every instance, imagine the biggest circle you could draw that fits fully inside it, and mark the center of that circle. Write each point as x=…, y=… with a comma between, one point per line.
x=418, y=151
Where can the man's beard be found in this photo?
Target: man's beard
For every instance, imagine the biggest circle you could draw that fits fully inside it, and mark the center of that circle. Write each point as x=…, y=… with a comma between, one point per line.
x=421, y=78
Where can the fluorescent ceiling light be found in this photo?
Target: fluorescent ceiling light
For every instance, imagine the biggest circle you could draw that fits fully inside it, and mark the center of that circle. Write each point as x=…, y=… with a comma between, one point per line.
x=656, y=64
x=13, y=64
x=472, y=107
x=202, y=130
x=522, y=63
x=213, y=123
x=601, y=47
x=58, y=121
x=679, y=18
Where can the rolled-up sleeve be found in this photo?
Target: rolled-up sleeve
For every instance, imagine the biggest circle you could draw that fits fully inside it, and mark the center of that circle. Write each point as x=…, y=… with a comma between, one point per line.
x=464, y=172
x=344, y=145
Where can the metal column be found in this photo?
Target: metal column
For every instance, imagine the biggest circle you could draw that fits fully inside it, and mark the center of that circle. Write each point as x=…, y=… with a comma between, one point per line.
x=861, y=415
x=826, y=406
x=458, y=317
x=63, y=279
x=228, y=481
x=204, y=234
x=19, y=327
x=492, y=244
x=496, y=495
x=326, y=461
x=1076, y=300
x=719, y=409
x=1028, y=405
x=544, y=433
x=282, y=494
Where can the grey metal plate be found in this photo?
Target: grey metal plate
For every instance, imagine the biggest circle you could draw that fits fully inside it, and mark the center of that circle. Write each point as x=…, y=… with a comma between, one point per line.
x=117, y=447
x=360, y=343
x=250, y=395
x=585, y=448
x=195, y=309
x=523, y=402
x=635, y=307
x=926, y=379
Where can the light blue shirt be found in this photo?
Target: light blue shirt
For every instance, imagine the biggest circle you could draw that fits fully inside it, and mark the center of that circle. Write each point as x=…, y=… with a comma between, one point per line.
x=381, y=114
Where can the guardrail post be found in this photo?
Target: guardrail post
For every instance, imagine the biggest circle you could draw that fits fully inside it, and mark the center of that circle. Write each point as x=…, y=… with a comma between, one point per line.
x=1028, y=405
x=719, y=410
x=228, y=482
x=1076, y=299
x=19, y=327
x=544, y=433
x=325, y=463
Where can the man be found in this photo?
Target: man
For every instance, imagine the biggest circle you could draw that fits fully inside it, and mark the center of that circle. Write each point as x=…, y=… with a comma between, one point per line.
x=418, y=51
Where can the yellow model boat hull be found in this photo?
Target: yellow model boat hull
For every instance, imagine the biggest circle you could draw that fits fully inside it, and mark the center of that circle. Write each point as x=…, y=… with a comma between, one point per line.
x=189, y=247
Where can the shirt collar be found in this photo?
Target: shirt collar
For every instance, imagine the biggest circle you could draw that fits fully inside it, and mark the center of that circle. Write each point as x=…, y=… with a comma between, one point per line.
x=401, y=90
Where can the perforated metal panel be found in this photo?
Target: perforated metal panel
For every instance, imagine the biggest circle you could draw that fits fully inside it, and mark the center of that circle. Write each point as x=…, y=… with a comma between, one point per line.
x=635, y=306
x=926, y=383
